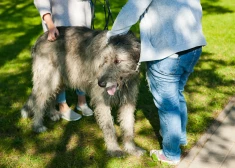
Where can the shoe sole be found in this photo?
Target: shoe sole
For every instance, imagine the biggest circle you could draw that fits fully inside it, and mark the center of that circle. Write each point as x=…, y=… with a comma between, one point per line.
x=87, y=115
x=71, y=120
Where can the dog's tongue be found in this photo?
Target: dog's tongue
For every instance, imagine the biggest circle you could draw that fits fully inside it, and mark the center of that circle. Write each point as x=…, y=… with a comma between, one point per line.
x=112, y=89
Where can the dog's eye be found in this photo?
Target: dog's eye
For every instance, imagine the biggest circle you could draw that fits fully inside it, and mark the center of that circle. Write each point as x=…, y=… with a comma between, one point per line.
x=117, y=61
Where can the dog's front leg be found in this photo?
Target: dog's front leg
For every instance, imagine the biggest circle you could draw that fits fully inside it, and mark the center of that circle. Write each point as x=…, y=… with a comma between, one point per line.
x=126, y=119
x=105, y=121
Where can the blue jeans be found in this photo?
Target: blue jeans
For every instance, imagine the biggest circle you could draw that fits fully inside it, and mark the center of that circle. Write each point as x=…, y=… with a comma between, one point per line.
x=167, y=79
x=61, y=97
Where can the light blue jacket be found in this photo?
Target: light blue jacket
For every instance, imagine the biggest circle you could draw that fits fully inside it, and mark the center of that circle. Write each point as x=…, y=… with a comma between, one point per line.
x=65, y=12
x=166, y=26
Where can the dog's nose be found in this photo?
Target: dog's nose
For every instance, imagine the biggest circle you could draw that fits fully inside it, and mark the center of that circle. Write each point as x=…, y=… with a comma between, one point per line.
x=102, y=83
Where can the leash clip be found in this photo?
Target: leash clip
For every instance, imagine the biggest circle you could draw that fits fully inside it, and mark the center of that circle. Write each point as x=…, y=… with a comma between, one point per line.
x=137, y=67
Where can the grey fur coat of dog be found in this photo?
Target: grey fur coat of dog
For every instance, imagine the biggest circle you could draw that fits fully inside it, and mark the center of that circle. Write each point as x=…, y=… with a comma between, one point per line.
x=81, y=58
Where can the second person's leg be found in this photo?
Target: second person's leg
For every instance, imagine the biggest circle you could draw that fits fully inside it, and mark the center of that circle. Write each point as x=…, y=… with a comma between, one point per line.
x=64, y=109
x=82, y=104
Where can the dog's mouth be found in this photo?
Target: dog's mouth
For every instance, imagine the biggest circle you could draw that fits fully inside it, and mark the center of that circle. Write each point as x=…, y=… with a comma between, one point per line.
x=111, y=88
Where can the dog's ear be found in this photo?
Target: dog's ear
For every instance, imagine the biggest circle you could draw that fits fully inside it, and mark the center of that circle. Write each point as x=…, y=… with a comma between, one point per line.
x=126, y=39
x=128, y=42
x=116, y=40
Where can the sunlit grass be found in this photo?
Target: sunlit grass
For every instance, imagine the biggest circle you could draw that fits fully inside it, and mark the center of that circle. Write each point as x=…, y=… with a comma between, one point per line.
x=81, y=144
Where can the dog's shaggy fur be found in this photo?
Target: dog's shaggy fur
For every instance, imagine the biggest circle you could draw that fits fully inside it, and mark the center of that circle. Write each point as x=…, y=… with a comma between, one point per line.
x=82, y=58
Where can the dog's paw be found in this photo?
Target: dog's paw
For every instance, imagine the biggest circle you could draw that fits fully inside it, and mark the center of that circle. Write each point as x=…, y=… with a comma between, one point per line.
x=39, y=129
x=55, y=117
x=116, y=153
x=134, y=150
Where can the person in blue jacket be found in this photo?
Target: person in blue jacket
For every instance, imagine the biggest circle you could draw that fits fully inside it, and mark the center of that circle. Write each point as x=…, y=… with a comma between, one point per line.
x=171, y=44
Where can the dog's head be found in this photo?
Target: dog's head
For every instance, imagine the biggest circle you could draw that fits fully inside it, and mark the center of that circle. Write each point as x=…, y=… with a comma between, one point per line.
x=119, y=64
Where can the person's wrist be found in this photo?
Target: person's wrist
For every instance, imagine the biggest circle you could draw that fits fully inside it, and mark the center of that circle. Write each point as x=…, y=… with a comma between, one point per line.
x=51, y=26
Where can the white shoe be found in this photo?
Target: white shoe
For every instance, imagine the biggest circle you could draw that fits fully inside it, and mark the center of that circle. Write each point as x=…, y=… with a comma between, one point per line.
x=70, y=115
x=86, y=111
x=158, y=155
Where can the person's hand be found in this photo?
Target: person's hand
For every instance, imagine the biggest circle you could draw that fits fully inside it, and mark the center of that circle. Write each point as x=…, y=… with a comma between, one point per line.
x=53, y=33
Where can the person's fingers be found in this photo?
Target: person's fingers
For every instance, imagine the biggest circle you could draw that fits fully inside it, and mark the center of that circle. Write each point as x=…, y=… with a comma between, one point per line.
x=51, y=36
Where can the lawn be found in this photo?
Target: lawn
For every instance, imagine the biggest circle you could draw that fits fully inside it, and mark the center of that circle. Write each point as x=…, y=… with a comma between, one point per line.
x=80, y=144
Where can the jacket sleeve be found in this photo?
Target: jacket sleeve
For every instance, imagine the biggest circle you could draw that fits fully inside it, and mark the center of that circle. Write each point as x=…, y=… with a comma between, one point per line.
x=128, y=16
x=43, y=6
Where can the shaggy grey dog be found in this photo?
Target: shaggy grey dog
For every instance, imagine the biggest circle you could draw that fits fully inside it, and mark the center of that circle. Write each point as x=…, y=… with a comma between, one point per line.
x=82, y=58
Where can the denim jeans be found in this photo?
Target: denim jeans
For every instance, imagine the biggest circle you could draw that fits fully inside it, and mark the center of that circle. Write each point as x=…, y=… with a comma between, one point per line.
x=61, y=97
x=167, y=79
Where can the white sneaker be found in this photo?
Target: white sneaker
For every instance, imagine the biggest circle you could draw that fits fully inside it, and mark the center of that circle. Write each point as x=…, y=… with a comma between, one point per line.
x=158, y=155
x=70, y=115
x=86, y=111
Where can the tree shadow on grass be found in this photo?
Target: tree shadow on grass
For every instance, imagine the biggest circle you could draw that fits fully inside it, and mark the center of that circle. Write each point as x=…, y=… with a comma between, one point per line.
x=65, y=144
x=16, y=135
x=210, y=7
x=88, y=151
x=10, y=50
x=81, y=144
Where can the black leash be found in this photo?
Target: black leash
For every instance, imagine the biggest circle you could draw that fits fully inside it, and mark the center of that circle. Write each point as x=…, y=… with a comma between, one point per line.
x=93, y=13
x=107, y=13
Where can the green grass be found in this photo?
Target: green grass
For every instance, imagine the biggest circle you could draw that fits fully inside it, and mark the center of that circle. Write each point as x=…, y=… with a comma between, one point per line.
x=81, y=144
